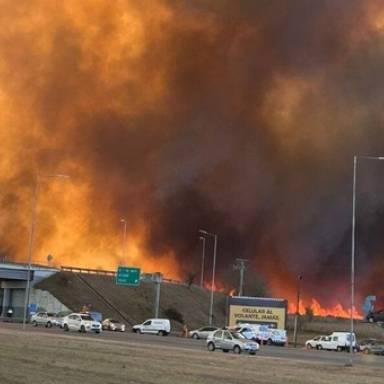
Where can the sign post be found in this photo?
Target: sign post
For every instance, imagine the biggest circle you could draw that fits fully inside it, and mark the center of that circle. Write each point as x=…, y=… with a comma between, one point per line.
x=128, y=276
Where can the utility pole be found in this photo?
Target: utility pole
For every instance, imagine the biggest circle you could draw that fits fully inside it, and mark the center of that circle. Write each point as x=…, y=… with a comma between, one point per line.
x=241, y=265
x=299, y=278
x=202, y=238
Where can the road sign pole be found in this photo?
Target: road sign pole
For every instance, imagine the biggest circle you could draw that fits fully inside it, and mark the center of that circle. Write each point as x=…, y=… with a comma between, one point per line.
x=157, y=278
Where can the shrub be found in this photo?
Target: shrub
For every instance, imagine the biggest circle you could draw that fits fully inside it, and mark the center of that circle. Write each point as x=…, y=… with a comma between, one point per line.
x=174, y=314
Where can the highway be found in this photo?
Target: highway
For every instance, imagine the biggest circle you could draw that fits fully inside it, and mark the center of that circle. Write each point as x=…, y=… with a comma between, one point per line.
x=172, y=341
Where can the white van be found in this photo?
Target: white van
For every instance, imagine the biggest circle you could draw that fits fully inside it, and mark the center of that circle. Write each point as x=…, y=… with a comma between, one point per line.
x=160, y=327
x=257, y=332
x=337, y=341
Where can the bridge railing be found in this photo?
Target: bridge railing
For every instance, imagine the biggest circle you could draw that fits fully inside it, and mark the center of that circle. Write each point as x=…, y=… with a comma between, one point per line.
x=104, y=272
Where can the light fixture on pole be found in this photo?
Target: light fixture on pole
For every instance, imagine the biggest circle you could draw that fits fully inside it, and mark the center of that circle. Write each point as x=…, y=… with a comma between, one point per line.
x=123, y=248
x=355, y=158
x=32, y=238
x=202, y=238
x=214, y=235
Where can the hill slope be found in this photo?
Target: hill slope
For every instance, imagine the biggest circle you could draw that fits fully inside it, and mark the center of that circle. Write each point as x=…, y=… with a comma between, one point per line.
x=134, y=304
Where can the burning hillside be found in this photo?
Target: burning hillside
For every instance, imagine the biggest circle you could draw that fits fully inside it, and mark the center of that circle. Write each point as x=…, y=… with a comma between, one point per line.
x=238, y=117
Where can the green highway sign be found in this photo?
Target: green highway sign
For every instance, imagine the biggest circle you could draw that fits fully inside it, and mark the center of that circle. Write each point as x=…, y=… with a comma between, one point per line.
x=128, y=276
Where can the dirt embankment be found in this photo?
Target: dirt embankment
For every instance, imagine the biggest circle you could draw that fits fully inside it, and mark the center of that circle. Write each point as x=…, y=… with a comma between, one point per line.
x=135, y=304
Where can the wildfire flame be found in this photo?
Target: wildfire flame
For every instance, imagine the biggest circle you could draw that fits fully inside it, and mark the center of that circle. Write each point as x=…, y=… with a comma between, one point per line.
x=335, y=311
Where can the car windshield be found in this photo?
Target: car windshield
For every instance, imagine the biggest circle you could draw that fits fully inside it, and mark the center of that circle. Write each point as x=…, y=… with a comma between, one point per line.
x=237, y=335
x=86, y=317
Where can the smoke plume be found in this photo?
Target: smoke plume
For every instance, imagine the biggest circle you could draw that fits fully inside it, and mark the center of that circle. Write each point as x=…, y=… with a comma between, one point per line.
x=241, y=118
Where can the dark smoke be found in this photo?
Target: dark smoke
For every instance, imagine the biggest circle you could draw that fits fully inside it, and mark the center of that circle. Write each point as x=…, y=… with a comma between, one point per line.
x=241, y=118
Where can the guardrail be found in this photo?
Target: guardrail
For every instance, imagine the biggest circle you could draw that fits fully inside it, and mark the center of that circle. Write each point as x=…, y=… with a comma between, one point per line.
x=104, y=272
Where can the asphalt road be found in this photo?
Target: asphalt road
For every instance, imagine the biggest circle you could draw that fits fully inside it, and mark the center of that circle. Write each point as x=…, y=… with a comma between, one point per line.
x=328, y=357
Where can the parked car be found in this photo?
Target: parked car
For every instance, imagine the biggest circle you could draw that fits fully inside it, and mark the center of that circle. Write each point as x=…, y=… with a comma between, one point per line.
x=43, y=318
x=375, y=348
x=113, y=325
x=312, y=343
x=376, y=316
x=231, y=341
x=336, y=341
x=366, y=343
x=258, y=332
x=59, y=318
x=277, y=337
x=81, y=322
x=160, y=327
x=202, y=333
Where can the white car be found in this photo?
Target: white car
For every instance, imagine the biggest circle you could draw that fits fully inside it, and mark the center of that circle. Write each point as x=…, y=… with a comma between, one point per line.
x=313, y=343
x=160, y=327
x=43, y=318
x=81, y=322
x=202, y=333
x=231, y=341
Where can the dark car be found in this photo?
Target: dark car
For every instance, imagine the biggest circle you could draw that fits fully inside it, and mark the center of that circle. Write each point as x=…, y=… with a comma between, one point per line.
x=376, y=316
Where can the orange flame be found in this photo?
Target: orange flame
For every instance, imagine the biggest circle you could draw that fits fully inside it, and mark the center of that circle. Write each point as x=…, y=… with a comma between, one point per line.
x=336, y=311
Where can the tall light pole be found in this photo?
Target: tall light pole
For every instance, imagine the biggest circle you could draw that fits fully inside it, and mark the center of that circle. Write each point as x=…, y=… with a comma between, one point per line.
x=214, y=235
x=123, y=248
x=32, y=238
x=355, y=158
x=202, y=262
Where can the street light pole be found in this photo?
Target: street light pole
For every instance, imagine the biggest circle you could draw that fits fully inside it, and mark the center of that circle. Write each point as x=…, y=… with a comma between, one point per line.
x=123, y=248
x=32, y=239
x=202, y=263
x=214, y=235
x=30, y=247
x=355, y=158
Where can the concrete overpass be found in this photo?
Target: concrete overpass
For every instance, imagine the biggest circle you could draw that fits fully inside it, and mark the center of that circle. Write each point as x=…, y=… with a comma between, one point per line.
x=13, y=282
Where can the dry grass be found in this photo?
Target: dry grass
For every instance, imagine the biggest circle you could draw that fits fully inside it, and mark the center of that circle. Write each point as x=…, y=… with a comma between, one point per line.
x=55, y=359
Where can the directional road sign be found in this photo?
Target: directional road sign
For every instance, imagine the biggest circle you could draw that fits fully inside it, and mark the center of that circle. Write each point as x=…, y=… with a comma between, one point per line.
x=128, y=276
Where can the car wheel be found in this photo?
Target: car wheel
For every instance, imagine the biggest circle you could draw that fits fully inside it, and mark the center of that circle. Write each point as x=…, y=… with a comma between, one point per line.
x=49, y=324
x=339, y=349
x=66, y=329
x=211, y=346
x=82, y=329
x=161, y=333
x=34, y=323
x=319, y=347
x=237, y=349
x=309, y=346
x=269, y=342
x=370, y=319
x=195, y=336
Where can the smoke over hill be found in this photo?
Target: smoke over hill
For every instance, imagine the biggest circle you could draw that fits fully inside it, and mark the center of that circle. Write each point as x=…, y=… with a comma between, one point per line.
x=238, y=117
